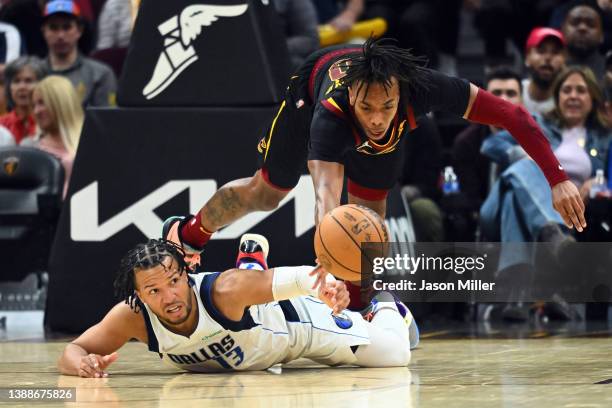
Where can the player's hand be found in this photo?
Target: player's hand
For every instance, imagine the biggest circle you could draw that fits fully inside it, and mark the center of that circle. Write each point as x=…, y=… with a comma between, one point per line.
x=321, y=275
x=568, y=203
x=93, y=365
x=335, y=295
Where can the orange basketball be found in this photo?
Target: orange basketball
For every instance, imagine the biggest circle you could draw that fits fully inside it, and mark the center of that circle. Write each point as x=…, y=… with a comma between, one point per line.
x=339, y=237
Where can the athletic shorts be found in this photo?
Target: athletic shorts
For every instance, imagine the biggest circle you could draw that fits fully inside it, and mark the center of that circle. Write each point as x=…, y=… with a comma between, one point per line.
x=284, y=149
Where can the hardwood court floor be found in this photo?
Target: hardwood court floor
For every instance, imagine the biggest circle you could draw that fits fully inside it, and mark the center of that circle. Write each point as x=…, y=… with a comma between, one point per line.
x=544, y=372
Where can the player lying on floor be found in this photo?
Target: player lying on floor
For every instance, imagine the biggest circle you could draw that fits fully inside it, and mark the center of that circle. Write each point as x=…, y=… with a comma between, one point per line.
x=246, y=318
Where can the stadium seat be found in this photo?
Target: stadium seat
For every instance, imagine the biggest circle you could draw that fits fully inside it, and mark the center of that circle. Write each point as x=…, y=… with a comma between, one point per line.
x=113, y=57
x=31, y=185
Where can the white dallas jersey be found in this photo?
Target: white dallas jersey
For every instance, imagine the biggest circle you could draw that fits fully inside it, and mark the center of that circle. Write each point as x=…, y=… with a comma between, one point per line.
x=267, y=334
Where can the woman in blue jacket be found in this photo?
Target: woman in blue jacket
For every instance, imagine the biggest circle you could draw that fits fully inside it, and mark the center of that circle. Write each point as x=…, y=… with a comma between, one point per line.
x=518, y=208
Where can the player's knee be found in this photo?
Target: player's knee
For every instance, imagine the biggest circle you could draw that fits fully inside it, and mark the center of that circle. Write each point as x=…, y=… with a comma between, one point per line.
x=265, y=198
x=269, y=202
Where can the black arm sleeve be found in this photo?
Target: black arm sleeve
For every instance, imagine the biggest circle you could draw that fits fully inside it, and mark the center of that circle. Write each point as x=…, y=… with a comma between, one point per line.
x=330, y=136
x=443, y=93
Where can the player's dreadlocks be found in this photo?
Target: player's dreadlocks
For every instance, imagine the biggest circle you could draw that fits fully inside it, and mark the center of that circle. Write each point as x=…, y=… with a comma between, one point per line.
x=145, y=256
x=380, y=62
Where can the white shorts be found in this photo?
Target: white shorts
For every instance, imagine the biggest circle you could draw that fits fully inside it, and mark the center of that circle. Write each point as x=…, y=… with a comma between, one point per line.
x=323, y=337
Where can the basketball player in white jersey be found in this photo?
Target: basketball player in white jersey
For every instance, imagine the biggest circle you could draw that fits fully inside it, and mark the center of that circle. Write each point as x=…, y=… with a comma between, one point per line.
x=247, y=318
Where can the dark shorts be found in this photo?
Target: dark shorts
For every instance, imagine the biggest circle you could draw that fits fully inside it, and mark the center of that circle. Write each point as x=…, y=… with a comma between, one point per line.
x=284, y=149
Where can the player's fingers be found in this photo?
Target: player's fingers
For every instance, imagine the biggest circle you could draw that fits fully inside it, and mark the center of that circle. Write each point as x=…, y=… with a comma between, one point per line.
x=93, y=360
x=84, y=373
x=571, y=212
x=110, y=358
x=86, y=369
x=579, y=207
x=98, y=363
x=343, y=300
x=559, y=206
x=316, y=270
x=566, y=219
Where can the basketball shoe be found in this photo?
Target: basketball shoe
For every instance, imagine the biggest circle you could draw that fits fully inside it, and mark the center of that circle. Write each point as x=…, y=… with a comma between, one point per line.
x=253, y=252
x=377, y=303
x=171, y=231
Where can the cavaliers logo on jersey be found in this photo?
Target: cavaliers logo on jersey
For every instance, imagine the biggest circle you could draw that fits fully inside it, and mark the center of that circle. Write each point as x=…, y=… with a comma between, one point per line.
x=262, y=145
x=339, y=69
x=336, y=72
x=10, y=165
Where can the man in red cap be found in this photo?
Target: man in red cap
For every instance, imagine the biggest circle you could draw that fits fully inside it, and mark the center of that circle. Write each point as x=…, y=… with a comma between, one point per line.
x=545, y=53
x=62, y=27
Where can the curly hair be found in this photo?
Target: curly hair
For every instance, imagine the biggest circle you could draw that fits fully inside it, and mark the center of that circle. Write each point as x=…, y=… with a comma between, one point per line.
x=145, y=256
x=380, y=62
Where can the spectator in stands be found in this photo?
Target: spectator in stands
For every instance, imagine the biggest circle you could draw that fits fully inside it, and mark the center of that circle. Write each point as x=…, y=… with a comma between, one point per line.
x=95, y=82
x=472, y=168
x=518, y=209
x=27, y=14
x=341, y=18
x=545, y=58
x=299, y=19
x=21, y=75
x=59, y=115
x=500, y=20
x=422, y=166
x=11, y=47
x=608, y=103
x=582, y=29
x=428, y=27
x=115, y=23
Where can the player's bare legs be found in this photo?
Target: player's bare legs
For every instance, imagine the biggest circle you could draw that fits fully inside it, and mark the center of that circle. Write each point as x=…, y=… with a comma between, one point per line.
x=238, y=198
x=380, y=206
x=230, y=202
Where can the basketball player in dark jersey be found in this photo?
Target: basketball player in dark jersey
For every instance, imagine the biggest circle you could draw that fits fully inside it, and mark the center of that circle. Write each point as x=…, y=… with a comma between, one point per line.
x=347, y=112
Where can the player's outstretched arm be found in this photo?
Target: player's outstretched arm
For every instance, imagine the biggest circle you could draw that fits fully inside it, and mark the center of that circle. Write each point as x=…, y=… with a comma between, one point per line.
x=486, y=108
x=236, y=289
x=327, y=178
x=93, y=351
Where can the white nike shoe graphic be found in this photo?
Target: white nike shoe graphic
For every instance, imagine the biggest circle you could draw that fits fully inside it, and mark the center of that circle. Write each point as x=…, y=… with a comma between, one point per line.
x=179, y=32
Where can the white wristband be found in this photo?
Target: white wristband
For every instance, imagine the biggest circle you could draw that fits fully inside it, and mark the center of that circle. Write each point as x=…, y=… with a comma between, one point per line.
x=293, y=281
